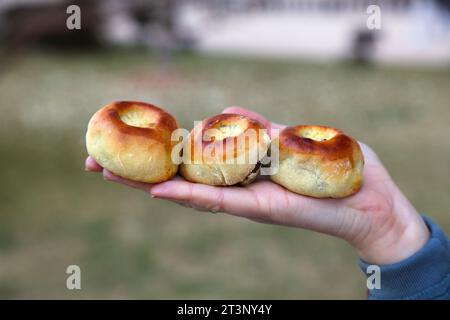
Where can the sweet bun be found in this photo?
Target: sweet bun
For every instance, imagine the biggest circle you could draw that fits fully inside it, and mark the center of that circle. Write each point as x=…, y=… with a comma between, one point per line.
x=133, y=140
x=319, y=161
x=224, y=150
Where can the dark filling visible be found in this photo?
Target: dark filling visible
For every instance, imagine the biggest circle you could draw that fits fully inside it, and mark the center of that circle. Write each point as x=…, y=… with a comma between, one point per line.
x=255, y=170
x=258, y=165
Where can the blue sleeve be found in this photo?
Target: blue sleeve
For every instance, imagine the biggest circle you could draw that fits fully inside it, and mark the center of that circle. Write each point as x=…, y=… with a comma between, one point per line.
x=424, y=275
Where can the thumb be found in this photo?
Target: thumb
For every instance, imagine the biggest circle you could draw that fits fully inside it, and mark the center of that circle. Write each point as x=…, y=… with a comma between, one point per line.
x=256, y=116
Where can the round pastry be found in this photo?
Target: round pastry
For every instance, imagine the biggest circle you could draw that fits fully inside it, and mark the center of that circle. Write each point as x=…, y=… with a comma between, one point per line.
x=319, y=161
x=226, y=149
x=133, y=140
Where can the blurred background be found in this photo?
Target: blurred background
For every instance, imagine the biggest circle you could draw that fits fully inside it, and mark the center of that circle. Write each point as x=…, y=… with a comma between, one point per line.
x=294, y=61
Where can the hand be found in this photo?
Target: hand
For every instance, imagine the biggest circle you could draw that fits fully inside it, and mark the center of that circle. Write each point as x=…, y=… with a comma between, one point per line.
x=378, y=221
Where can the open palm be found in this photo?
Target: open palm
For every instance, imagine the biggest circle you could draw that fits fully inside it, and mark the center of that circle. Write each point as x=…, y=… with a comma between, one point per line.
x=378, y=220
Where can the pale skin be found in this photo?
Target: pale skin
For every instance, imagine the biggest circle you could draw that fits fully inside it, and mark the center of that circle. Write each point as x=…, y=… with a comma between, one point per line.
x=378, y=221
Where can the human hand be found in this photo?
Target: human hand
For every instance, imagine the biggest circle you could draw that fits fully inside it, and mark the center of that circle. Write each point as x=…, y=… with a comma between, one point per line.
x=378, y=221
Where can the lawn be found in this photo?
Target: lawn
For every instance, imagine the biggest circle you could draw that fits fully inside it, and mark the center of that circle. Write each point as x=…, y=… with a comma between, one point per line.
x=128, y=245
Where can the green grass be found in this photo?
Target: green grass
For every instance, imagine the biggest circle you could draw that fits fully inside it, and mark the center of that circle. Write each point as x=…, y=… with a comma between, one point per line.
x=53, y=213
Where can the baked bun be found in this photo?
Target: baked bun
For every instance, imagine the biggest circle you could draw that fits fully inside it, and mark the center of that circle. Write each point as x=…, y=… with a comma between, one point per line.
x=224, y=150
x=133, y=140
x=319, y=162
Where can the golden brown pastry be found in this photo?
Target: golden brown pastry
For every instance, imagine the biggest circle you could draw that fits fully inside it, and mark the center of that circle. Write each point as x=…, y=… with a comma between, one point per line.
x=133, y=140
x=319, y=162
x=224, y=150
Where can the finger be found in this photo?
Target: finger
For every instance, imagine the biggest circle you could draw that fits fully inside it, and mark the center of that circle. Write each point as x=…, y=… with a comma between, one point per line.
x=274, y=125
x=275, y=129
x=270, y=126
x=262, y=202
x=370, y=156
x=134, y=184
x=91, y=165
x=188, y=205
x=248, y=113
x=234, y=200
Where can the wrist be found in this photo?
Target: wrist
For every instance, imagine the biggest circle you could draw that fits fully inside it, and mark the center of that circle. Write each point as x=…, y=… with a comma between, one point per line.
x=407, y=234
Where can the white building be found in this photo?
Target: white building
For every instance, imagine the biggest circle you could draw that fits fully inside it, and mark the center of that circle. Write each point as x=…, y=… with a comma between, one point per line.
x=412, y=32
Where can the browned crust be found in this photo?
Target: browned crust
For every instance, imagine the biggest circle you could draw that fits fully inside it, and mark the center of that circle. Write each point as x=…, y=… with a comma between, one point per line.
x=165, y=123
x=213, y=123
x=338, y=147
x=137, y=153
